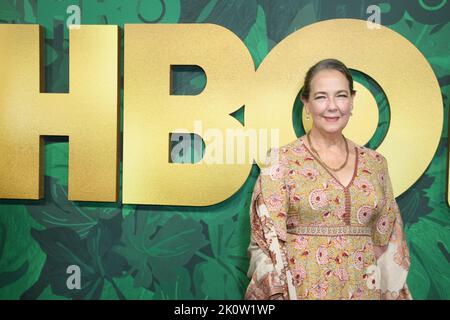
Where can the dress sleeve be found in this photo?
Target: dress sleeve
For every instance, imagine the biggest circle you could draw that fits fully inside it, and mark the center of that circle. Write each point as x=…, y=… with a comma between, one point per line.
x=268, y=210
x=384, y=223
x=274, y=192
x=388, y=233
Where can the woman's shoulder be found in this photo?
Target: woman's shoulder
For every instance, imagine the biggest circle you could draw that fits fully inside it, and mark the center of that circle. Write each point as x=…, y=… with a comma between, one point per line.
x=286, y=150
x=373, y=154
x=295, y=146
x=371, y=158
x=282, y=156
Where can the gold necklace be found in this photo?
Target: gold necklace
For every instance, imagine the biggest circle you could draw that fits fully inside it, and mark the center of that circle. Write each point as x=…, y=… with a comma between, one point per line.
x=315, y=151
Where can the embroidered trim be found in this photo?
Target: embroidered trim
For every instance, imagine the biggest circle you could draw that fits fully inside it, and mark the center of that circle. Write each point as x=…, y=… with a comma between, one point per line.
x=350, y=230
x=348, y=207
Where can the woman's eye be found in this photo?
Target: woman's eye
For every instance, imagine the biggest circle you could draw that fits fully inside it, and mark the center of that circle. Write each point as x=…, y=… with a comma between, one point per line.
x=320, y=97
x=342, y=96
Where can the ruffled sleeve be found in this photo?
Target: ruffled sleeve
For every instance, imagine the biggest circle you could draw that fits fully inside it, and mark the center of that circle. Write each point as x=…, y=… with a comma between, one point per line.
x=274, y=192
x=383, y=226
x=388, y=234
x=268, y=270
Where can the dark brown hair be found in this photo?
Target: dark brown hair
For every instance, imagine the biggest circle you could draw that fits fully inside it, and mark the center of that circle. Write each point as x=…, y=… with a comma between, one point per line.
x=327, y=64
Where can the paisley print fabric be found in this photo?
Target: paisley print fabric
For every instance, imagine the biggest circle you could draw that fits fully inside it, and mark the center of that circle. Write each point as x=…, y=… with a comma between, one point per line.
x=314, y=238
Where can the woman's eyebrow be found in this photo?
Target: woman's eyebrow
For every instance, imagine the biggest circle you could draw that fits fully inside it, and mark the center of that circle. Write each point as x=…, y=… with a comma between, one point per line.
x=323, y=92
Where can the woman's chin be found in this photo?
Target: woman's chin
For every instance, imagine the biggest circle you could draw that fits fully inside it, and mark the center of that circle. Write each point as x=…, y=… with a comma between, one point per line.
x=332, y=129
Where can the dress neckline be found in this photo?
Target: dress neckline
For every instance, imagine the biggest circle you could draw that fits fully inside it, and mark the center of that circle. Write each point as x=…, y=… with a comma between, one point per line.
x=355, y=170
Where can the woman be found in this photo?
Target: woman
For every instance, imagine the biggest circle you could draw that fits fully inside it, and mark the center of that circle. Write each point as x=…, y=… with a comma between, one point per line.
x=325, y=223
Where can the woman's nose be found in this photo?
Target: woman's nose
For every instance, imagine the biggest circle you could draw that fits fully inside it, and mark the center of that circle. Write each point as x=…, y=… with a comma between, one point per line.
x=332, y=104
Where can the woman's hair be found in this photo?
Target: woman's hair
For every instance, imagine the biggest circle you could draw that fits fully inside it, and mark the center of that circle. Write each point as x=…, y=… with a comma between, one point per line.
x=327, y=64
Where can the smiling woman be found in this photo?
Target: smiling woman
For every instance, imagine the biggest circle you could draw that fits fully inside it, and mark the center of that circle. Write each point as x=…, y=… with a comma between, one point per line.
x=325, y=222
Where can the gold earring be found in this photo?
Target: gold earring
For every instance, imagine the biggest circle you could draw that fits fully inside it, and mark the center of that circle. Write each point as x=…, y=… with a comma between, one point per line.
x=307, y=116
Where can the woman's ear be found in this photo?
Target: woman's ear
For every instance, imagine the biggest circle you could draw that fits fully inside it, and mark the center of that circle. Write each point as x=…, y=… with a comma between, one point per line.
x=306, y=107
x=308, y=114
x=304, y=101
x=353, y=97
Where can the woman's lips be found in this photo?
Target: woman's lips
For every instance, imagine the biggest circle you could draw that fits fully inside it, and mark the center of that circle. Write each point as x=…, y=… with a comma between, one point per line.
x=331, y=119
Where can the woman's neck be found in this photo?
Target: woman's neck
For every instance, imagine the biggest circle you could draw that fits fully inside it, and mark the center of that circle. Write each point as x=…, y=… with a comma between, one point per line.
x=324, y=140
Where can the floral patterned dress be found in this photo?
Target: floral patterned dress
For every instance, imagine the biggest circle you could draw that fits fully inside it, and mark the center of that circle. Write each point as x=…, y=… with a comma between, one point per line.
x=314, y=238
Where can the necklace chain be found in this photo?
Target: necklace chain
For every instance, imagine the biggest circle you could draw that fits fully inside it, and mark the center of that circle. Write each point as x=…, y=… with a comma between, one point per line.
x=315, y=151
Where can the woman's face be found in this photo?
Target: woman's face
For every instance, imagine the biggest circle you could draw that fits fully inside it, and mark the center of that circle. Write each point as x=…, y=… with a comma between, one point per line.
x=330, y=101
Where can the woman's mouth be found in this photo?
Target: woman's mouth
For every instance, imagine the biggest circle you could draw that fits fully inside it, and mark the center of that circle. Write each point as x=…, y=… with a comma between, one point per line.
x=331, y=119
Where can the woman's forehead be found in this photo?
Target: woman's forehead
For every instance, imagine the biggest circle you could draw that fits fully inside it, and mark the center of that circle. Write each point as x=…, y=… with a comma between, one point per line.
x=330, y=81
